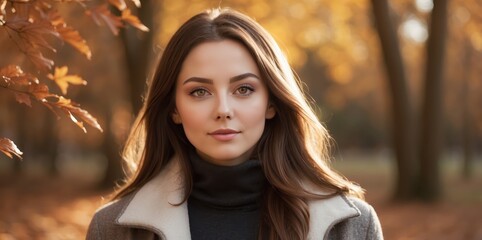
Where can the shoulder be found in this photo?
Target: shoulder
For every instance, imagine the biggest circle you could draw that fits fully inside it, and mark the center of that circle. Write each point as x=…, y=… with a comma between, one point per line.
x=365, y=209
x=364, y=226
x=104, y=221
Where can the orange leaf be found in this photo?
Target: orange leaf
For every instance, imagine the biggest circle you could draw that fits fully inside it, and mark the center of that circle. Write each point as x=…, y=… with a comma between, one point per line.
x=69, y=34
x=11, y=71
x=137, y=3
x=75, y=112
x=73, y=37
x=79, y=123
x=13, y=74
x=14, y=77
x=29, y=37
x=85, y=116
x=23, y=98
x=63, y=80
x=3, y=3
x=41, y=92
x=119, y=4
x=102, y=15
x=133, y=20
x=38, y=59
x=9, y=148
x=32, y=32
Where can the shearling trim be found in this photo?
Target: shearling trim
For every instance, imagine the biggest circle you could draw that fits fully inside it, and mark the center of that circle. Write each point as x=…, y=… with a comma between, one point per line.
x=325, y=213
x=153, y=207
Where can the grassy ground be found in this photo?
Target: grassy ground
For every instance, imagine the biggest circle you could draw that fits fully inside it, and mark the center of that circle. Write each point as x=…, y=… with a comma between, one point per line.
x=37, y=207
x=457, y=216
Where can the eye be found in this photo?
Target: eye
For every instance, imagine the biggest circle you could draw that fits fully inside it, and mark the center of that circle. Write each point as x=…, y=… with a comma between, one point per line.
x=244, y=90
x=199, y=92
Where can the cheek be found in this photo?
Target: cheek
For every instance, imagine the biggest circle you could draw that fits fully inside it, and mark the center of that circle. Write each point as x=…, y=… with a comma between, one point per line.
x=192, y=116
x=254, y=114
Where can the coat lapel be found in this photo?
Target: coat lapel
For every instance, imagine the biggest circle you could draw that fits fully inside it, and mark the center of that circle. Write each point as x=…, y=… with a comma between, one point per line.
x=325, y=213
x=153, y=206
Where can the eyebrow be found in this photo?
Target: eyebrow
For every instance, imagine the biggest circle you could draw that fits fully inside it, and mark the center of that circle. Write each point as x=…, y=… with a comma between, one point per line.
x=231, y=80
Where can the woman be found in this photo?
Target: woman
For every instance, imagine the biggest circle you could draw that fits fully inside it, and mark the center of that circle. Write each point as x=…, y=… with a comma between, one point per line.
x=227, y=147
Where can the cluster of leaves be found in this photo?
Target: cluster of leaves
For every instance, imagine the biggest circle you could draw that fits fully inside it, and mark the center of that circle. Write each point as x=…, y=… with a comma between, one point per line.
x=32, y=25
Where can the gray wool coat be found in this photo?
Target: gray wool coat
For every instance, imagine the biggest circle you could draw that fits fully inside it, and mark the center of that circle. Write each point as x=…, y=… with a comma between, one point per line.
x=149, y=214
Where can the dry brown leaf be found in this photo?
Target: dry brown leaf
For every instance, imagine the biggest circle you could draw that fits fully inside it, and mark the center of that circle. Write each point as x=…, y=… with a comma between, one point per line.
x=38, y=59
x=33, y=32
x=13, y=74
x=133, y=20
x=137, y=3
x=29, y=36
x=42, y=4
x=75, y=112
x=102, y=15
x=11, y=71
x=77, y=122
x=40, y=92
x=14, y=79
x=73, y=37
x=119, y=4
x=23, y=98
x=3, y=3
x=85, y=116
x=69, y=35
x=9, y=148
x=63, y=80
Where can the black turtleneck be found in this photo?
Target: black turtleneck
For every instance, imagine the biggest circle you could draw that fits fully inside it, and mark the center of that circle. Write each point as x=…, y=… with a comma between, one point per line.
x=224, y=203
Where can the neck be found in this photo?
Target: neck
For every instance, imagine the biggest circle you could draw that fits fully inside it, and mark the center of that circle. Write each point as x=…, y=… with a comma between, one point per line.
x=227, y=186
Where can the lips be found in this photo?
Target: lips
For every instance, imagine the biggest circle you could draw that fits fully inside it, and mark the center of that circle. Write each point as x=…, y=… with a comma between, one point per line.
x=224, y=134
x=223, y=131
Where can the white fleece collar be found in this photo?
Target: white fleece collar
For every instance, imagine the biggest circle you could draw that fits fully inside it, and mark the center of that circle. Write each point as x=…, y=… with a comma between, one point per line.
x=325, y=213
x=152, y=208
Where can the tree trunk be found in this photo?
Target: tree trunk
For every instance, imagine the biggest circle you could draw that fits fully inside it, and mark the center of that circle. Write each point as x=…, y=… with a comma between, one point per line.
x=138, y=47
x=467, y=118
x=112, y=152
x=403, y=126
x=314, y=74
x=432, y=106
x=22, y=129
x=47, y=150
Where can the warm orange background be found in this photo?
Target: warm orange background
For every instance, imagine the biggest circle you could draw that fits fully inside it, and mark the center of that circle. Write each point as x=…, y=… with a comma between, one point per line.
x=333, y=46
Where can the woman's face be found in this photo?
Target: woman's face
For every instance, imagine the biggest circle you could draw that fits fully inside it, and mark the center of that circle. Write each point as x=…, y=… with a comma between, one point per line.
x=221, y=102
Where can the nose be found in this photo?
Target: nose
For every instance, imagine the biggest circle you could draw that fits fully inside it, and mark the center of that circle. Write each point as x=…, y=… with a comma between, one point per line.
x=224, y=109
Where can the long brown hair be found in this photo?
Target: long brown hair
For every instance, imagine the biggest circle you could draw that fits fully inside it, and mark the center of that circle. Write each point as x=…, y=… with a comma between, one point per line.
x=293, y=149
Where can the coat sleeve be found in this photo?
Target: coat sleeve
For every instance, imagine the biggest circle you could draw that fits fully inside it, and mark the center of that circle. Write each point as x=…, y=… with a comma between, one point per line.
x=374, y=230
x=93, y=232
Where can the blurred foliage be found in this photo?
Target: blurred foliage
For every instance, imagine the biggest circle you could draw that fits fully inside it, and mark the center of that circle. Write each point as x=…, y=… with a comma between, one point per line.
x=32, y=26
x=334, y=48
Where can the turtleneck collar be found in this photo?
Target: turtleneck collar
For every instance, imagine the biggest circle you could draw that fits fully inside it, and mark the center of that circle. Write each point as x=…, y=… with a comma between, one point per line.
x=233, y=187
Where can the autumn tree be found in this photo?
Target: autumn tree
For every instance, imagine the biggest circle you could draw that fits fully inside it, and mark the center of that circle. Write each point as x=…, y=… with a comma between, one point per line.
x=466, y=96
x=35, y=26
x=402, y=106
x=418, y=169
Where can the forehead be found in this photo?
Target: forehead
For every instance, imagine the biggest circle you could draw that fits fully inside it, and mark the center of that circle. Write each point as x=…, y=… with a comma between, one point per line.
x=218, y=57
